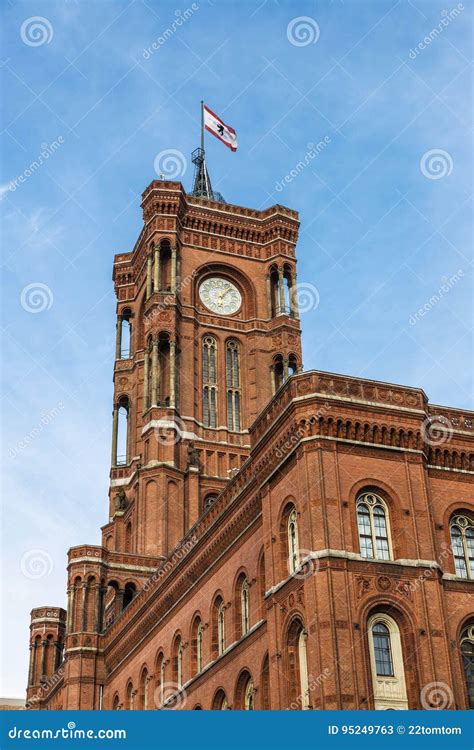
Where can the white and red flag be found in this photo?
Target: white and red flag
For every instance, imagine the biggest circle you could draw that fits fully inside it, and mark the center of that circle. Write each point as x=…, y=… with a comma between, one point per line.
x=217, y=127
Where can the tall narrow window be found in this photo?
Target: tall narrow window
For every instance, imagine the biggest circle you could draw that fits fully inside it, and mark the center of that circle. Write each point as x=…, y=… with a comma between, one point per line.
x=382, y=650
x=221, y=629
x=467, y=655
x=200, y=632
x=386, y=659
x=462, y=541
x=233, y=385
x=293, y=541
x=249, y=696
x=244, y=604
x=196, y=646
x=179, y=670
x=209, y=381
x=373, y=527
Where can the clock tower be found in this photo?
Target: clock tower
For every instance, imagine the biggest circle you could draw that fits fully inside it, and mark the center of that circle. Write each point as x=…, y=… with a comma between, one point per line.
x=207, y=331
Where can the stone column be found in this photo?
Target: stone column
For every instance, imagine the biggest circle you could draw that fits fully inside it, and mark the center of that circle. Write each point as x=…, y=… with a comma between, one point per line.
x=269, y=296
x=272, y=375
x=118, y=339
x=145, y=380
x=70, y=606
x=173, y=269
x=98, y=607
x=118, y=603
x=172, y=373
x=294, y=296
x=156, y=270
x=281, y=289
x=285, y=369
x=154, y=373
x=44, y=646
x=148, y=276
x=85, y=602
x=57, y=655
x=115, y=434
x=31, y=668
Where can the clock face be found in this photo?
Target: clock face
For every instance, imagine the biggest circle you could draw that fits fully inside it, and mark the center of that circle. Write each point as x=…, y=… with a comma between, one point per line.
x=220, y=295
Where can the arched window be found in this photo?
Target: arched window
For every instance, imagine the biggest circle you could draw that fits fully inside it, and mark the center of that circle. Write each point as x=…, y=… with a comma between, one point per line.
x=219, y=702
x=278, y=370
x=209, y=381
x=265, y=684
x=143, y=690
x=467, y=655
x=125, y=334
x=129, y=593
x=221, y=628
x=298, y=686
x=249, y=696
x=292, y=365
x=160, y=681
x=244, y=603
x=209, y=500
x=130, y=696
x=233, y=385
x=372, y=522
x=196, y=646
x=462, y=540
x=178, y=662
x=120, y=437
x=386, y=660
x=116, y=703
x=293, y=548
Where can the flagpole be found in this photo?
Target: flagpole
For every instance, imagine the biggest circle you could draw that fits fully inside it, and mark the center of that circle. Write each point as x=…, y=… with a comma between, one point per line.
x=202, y=127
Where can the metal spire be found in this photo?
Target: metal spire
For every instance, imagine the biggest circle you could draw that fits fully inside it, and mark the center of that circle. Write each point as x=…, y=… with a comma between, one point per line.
x=202, y=187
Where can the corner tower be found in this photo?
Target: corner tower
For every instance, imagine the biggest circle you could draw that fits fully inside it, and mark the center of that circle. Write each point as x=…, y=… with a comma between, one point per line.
x=207, y=330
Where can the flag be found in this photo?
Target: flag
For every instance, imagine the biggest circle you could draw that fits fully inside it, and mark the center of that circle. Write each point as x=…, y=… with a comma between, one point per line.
x=217, y=127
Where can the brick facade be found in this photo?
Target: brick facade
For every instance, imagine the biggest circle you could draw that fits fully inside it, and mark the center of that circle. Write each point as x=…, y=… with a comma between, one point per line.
x=202, y=500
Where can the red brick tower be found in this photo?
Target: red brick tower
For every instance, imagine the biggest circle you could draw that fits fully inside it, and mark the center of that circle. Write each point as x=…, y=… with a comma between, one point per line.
x=207, y=330
x=47, y=631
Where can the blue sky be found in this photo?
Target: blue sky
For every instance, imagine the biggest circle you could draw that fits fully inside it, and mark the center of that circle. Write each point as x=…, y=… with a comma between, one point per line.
x=385, y=213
